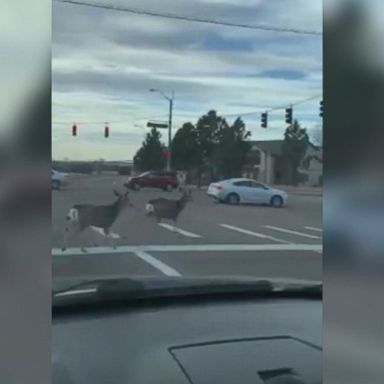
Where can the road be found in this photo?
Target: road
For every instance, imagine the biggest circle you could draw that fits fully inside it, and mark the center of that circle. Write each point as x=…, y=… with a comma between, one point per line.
x=208, y=239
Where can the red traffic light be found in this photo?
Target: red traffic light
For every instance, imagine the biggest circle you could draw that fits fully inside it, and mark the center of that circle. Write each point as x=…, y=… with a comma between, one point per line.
x=165, y=152
x=74, y=130
x=106, y=131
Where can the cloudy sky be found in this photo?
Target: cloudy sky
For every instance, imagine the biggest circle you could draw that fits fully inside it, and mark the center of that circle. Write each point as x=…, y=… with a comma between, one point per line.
x=104, y=62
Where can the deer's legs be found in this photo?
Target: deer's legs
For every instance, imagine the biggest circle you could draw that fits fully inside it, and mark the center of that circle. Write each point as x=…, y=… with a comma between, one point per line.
x=70, y=233
x=110, y=236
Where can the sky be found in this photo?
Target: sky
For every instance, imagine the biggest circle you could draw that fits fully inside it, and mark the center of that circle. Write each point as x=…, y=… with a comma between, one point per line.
x=104, y=63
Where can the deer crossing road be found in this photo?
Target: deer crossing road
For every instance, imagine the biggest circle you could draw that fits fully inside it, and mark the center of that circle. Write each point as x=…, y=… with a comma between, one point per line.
x=194, y=237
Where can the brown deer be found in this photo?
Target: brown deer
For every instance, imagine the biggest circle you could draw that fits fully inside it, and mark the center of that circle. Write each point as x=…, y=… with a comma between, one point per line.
x=162, y=208
x=98, y=217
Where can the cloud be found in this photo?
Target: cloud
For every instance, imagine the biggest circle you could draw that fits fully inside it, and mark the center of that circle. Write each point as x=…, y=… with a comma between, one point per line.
x=289, y=74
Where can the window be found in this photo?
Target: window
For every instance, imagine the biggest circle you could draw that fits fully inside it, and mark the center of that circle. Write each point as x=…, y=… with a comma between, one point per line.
x=253, y=184
x=243, y=183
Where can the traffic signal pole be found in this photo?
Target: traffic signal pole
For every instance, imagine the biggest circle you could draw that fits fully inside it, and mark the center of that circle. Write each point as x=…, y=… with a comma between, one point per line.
x=169, y=162
x=170, y=99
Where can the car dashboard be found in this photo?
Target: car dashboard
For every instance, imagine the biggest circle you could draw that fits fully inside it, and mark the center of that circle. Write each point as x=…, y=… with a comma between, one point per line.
x=227, y=341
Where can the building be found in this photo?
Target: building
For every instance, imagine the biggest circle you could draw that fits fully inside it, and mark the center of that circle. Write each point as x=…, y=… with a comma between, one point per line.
x=266, y=164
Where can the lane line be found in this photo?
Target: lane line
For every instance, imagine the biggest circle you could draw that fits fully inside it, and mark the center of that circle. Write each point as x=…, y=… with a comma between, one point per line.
x=251, y=233
x=159, y=265
x=292, y=232
x=172, y=228
x=314, y=229
x=188, y=248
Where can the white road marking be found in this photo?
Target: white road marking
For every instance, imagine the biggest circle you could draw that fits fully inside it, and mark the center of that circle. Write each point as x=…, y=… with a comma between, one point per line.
x=179, y=230
x=255, y=234
x=162, y=267
x=189, y=248
x=314, y=229
x=101, y=232
x=292, y=232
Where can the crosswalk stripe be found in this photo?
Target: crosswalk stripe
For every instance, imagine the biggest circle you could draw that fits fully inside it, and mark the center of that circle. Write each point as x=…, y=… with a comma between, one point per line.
x=159, y=265
x=187, y=248
x=179, y=230
x=314, y=229
x=292, y=232
x=255, y=234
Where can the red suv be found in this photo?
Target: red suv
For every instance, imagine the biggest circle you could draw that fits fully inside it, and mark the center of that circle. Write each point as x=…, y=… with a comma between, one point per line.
x=163, y=180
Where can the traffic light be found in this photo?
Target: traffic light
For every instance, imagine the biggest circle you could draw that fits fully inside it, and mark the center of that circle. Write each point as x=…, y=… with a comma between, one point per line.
x=106, y=131
x=74, y=130
x=264, y=120
x=321, y=108
x=289, y=115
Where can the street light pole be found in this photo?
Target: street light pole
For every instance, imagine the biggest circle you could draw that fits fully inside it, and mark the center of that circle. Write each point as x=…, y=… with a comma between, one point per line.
x=169, y=164
x=170, y=99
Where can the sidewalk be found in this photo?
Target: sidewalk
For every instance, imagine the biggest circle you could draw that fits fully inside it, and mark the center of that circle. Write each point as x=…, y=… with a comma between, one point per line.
x=301, y=190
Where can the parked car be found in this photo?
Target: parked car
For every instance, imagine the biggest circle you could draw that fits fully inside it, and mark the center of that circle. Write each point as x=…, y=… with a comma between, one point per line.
x=237, y=191
x=163, y=180
x=58, y=179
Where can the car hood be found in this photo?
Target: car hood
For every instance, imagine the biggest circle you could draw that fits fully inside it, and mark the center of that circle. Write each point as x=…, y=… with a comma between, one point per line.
x=131, y=288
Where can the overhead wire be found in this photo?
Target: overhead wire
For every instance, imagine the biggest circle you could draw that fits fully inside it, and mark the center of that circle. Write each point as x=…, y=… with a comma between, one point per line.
x=272, y=109
x=194, y=19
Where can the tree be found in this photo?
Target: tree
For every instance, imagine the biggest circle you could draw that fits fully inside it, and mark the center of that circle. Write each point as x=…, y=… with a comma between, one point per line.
x=232, y=148
x=295, y=145
x=208, y=127
x=150, y=155
x=185, y=148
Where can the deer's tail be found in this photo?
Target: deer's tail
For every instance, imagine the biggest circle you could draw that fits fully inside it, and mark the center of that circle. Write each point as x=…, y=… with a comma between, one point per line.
x=73, y=215
x=149, y=208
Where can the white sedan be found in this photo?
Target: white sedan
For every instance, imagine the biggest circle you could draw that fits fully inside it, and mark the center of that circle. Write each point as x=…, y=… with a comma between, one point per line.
x=236, y=191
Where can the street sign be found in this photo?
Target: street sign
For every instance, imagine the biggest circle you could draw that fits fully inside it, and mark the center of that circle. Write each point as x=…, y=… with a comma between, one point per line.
x=153, y=124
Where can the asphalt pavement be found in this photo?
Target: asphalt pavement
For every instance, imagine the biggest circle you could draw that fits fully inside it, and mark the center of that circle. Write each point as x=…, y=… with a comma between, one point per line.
x=209, y=239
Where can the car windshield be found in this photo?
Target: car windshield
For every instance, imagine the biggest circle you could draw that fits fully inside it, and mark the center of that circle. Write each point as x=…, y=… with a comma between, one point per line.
x=215, y=112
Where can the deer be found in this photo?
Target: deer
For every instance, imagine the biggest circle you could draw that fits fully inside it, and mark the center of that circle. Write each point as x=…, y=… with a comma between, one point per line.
x=162, y=208
x=100, y=218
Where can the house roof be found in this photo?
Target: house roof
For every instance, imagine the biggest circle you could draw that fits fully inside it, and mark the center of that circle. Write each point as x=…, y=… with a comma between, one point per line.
x=274, y=147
